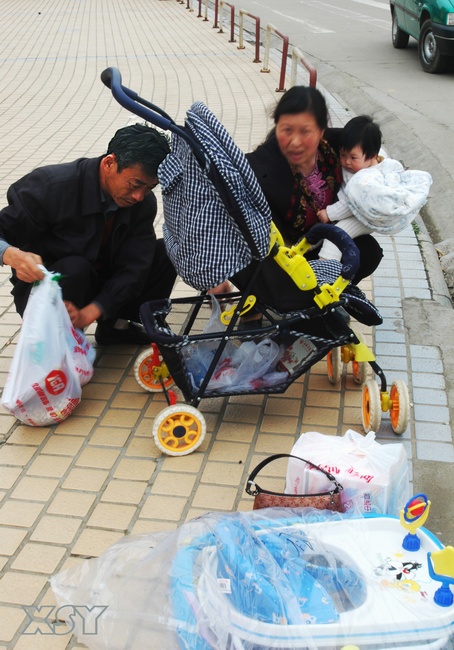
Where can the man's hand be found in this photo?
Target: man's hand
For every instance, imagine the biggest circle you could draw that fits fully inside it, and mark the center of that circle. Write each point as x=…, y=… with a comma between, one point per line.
x=84, y=317
x=25, y=264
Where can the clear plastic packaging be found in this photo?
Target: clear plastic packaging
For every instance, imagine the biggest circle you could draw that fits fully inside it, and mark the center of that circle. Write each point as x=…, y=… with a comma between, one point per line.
x=274, y=578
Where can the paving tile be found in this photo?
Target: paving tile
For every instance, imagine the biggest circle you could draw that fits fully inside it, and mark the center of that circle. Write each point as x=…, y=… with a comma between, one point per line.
x=169, y=484
x=10, y=539
x=19, y=513
x=214, y=497
x=230, y=451
x=92, y=542
x=98, y=457
x=142, y=448
x=109, y=437
x=129, y=492
x=119, y=418
x=274, y=444
x=16, y=455
x=35, y=489
x=282, y=406
x=8, y=476
x=63, y=445
x=52, y=466
x=223, y=474
x=235, y=432
x=428, y=380
x=429, y=413
x=71, y=503
x=17, y=587
x=38, y=558
x=23, y=435
x=163, y=507
x=314, y=416
x=435, y=451
x=112, y=516
x=76, y=426
x=55, y=529
x=190, y=463
x=134, y=469
x=10, y=619
x=88, y=480
x=271, y=423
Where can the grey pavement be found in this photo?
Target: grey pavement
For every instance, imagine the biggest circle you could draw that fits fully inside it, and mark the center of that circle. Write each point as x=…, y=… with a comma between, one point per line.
x=69, y=491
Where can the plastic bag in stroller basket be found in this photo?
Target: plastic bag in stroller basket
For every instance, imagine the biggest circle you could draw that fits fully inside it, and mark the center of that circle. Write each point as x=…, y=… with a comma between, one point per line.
x=243, y=366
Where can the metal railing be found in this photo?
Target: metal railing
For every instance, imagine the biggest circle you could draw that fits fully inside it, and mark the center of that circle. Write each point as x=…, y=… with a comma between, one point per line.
x=223, y=4
x=298, y=57
x=271, y=29
x=243, y=13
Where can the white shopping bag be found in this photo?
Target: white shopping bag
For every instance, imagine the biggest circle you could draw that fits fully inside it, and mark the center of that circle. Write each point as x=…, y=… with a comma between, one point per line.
x=52, y=360
x=374, y=476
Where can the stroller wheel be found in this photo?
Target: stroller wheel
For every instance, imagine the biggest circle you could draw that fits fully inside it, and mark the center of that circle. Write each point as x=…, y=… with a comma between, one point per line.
x=359, y=369
x=371, y=412
x=148, y=369
x=399, y=411
x=179, y=430
x=334, y=365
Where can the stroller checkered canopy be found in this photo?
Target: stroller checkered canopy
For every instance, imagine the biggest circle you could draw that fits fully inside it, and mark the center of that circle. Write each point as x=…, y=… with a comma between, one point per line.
x=216, y=219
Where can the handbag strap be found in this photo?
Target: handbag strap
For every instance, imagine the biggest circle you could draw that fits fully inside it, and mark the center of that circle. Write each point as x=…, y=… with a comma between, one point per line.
x=253, y=489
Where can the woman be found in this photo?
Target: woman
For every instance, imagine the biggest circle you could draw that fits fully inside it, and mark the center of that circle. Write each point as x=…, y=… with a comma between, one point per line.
x=299, y=171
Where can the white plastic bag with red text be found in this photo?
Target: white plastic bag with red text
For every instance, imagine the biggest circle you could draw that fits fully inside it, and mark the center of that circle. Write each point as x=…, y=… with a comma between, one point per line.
x=374, y=475
x=51, y=362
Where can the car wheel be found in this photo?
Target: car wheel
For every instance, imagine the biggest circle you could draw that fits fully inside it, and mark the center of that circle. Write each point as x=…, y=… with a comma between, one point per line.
x=429, y=54
x=400, y=38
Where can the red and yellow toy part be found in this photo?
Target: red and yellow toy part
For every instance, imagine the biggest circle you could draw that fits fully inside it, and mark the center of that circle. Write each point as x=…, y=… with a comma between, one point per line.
x=412, y=516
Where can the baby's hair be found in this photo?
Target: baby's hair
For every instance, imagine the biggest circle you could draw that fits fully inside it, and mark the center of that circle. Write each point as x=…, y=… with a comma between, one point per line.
x=362, y=132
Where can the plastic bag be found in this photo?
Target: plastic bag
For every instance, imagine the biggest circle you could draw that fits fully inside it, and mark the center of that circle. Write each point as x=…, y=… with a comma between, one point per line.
x=52, y=360
x=250, y=366
x=374, y=476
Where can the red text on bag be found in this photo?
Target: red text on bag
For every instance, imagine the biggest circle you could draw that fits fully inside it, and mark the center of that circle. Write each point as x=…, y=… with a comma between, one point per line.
x=56, y=382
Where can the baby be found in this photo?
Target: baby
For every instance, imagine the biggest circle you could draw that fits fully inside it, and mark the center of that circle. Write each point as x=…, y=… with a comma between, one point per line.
x=360, y=143
x=377, y=194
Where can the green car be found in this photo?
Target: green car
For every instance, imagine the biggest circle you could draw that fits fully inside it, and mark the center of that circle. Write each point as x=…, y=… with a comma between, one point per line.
x=431, y=22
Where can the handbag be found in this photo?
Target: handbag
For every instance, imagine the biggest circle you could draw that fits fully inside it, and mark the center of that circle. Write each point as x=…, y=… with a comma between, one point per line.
x=329, y=500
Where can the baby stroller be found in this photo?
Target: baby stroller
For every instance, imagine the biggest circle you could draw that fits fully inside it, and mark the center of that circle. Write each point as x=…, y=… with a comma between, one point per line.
x=218, y=226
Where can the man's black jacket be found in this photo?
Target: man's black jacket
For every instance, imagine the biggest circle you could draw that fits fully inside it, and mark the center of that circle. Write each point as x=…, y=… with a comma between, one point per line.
x=56, y=211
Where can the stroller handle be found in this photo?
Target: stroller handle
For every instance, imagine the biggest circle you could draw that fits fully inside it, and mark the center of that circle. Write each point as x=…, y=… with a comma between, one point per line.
x=130, y=100
x=343, y=241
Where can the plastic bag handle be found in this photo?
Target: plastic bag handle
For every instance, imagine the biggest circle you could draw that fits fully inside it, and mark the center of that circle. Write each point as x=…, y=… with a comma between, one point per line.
x=253, y=489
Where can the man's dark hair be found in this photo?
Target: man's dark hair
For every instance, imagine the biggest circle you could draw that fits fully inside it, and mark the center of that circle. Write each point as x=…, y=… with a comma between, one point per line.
x=362, y=132
x=139, y=144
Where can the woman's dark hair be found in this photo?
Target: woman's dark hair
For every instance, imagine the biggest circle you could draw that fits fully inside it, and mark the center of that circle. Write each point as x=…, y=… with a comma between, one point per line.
x=303, y=99
x=139, y=144
x=361, y=132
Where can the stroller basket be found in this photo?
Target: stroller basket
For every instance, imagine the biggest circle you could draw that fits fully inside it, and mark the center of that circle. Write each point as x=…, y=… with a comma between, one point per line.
x=298, y=342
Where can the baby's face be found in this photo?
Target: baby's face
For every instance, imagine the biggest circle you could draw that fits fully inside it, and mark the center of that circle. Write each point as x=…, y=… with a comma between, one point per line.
x=354, y=160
